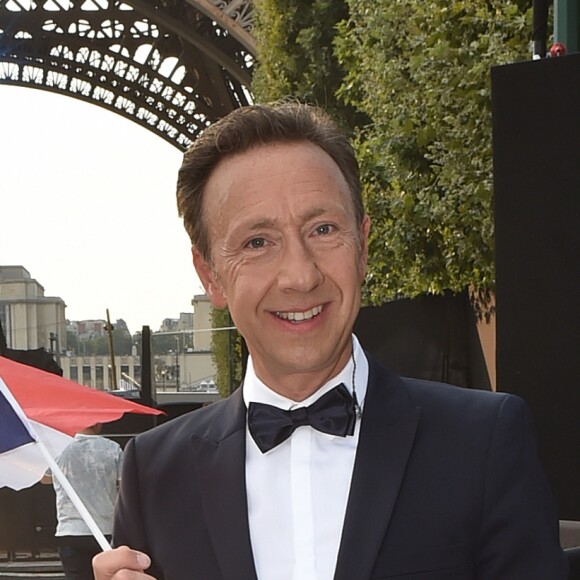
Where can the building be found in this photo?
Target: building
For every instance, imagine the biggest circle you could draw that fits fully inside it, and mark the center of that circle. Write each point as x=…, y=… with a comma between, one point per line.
x=184, y=322
x=201, y=322
x=182, y=364
x=87, y=329
x=175, y=371
x=197, y=322
x=96, y=371
x=191, y=368
x=30, y=319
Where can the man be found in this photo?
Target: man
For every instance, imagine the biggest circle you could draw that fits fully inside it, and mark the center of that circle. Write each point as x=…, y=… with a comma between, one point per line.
x=92, y=465
x=398, y=478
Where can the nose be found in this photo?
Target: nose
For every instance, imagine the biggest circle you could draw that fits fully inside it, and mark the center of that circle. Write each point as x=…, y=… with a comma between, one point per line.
x=299, y=270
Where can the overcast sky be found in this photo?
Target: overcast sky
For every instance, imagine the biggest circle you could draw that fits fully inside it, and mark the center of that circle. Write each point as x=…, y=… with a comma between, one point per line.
x=87, y=206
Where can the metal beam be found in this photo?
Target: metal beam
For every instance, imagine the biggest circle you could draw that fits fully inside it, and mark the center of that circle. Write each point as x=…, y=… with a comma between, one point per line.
x=236, y=16
x=204, y=44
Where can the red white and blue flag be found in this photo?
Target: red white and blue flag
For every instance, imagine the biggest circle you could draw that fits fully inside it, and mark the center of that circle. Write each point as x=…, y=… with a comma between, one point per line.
x=39, y=414
x=39, y=406
x=23, y=454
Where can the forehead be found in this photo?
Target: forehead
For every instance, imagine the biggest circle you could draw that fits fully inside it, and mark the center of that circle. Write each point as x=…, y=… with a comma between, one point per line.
x=274, y=172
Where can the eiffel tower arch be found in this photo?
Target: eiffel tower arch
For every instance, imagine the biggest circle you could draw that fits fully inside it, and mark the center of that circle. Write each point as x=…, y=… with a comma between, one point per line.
x=171, y=66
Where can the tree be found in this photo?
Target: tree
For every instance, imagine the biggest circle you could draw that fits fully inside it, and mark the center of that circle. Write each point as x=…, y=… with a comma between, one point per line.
x=296, y=56
x=72, y=341
x=99, y=346
x=226, y=350
x=122, y=341
x=421, y=72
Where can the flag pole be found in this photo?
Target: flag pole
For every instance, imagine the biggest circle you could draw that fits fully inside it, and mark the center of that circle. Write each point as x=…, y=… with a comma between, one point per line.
x=72, y=494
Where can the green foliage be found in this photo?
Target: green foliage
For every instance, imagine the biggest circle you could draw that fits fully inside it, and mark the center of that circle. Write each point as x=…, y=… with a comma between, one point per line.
x=99, y=346
x=296, y=57
x=171, y=342
x=72, y=342
x=226, y=349
x=421, y=72
x=122, y=341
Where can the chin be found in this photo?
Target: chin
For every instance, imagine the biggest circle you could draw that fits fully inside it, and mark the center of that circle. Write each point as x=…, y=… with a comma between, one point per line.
x=307, y=362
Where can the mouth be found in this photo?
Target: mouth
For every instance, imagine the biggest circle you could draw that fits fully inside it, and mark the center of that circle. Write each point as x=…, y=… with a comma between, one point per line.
x=296, y=317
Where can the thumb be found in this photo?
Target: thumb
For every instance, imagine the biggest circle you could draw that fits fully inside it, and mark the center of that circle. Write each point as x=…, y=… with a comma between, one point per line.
x=108, y=563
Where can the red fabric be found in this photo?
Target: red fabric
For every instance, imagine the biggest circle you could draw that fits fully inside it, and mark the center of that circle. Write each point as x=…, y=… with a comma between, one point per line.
x=63, y=404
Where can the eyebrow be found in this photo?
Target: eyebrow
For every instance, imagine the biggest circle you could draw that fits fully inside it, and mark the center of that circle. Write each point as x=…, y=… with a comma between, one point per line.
x=270, y=223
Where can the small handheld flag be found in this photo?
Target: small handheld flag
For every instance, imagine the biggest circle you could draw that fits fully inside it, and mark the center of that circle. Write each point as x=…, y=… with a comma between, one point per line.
x=24, y=456
x=39, y=414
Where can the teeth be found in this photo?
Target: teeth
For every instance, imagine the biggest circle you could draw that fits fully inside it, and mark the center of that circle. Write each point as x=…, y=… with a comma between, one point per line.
x=299, y=316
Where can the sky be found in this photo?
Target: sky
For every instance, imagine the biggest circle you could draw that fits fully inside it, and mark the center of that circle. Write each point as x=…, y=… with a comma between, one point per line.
x=87, y=206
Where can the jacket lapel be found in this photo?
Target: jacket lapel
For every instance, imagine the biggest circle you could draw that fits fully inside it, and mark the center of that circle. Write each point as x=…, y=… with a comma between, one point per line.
x=386, y=439
x=220, y=466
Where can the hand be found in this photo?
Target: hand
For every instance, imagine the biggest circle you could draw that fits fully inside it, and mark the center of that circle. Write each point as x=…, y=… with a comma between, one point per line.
x=121, y=564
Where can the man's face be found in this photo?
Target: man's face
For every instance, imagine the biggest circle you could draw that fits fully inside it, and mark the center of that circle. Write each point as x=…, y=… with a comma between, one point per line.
x=288, y=259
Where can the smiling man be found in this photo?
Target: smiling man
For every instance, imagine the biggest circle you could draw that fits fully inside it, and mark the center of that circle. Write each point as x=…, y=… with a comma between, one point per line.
x=323, y=465
x=288, y=258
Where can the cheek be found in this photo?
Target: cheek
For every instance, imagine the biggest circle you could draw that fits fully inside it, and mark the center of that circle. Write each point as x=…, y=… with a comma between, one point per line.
x=231, y=273
x=356, y=272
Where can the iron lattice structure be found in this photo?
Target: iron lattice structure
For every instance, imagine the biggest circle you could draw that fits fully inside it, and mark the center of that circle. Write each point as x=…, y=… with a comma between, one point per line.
x=172, y=66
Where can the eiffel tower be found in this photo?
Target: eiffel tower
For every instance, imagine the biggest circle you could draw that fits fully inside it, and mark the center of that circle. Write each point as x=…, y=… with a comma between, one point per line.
x=172, y=66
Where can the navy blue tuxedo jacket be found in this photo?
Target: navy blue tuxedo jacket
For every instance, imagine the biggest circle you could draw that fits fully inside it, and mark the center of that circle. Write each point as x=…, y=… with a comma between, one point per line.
x=447, y=485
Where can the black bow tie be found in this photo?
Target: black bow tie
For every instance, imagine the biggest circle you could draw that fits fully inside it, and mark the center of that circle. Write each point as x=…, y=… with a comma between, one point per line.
x=333, y=413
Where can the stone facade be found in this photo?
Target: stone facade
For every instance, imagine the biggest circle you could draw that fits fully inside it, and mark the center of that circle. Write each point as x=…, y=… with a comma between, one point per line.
x=29, y=318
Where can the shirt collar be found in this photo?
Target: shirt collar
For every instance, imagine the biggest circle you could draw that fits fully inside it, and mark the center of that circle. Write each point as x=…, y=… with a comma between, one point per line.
x=255, y=391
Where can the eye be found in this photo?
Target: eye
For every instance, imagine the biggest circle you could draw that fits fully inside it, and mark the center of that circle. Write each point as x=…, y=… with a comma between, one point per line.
x=324, y=229
x=256, y=243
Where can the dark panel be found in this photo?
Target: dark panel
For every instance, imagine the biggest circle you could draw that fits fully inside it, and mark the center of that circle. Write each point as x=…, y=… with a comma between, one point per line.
x=27, y=523
x=536, y=138
x=428, y=337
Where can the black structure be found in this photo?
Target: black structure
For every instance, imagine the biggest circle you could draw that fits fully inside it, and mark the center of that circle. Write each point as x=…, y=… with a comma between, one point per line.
x=172, y=66
x=540, y=26
x=536, y=138
x=573, y=555
x=429, y=337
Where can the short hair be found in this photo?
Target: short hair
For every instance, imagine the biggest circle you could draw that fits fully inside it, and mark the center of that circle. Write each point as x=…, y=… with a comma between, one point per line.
x=249, y=127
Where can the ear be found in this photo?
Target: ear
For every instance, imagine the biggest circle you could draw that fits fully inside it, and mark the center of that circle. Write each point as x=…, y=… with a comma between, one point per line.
x=206, y=274
x=364, y=246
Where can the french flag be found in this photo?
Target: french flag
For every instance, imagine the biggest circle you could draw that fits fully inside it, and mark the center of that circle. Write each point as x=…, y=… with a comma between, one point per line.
x=28, y=448
x=39, y=414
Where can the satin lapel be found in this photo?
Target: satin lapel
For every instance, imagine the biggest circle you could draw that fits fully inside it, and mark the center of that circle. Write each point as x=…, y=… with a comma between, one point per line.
x=386, y=440
x=220, y=466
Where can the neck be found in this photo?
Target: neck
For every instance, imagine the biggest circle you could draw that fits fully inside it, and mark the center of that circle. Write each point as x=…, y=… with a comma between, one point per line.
x=299, y=385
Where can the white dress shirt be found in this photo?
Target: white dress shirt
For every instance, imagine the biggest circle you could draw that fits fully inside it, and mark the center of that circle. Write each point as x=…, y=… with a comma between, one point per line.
x=298, y=491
